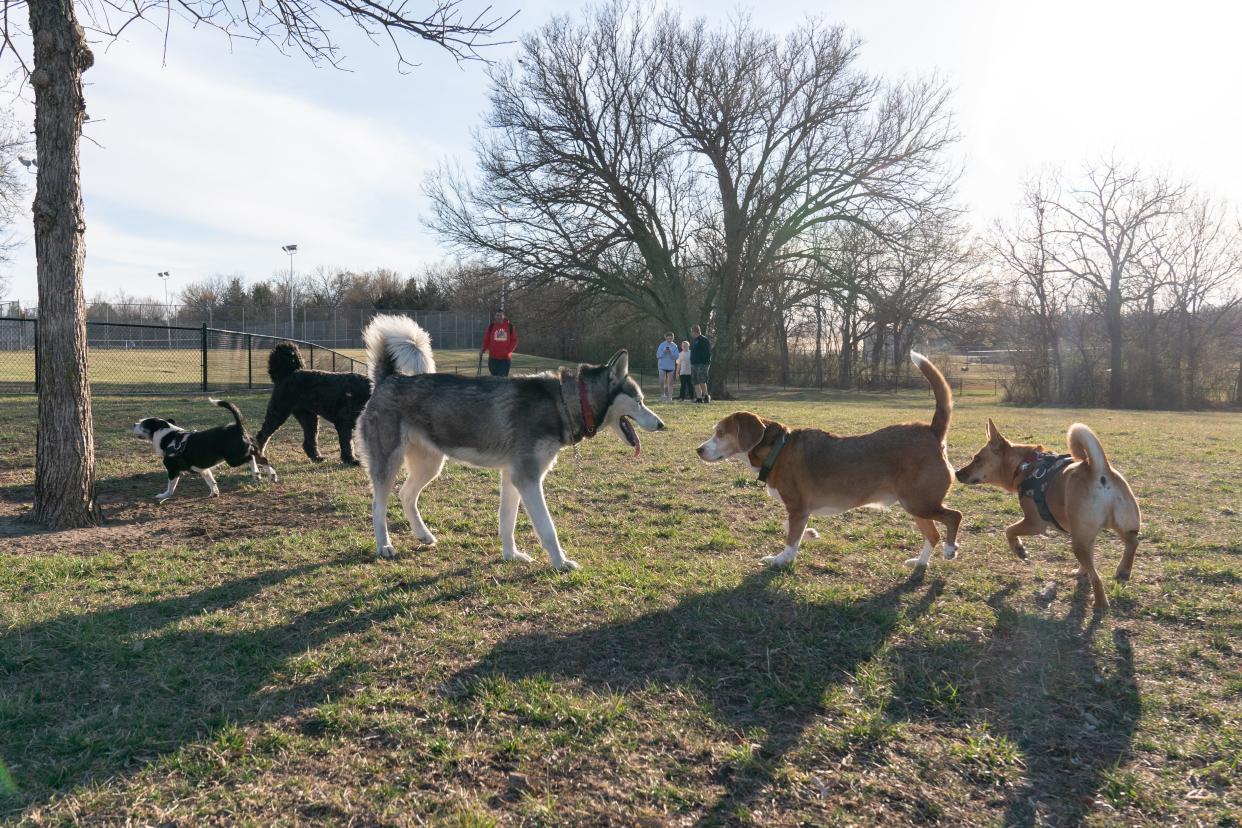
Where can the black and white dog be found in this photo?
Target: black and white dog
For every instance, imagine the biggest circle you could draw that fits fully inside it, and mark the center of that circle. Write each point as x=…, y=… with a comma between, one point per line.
x=308, y=394
x=200, y=451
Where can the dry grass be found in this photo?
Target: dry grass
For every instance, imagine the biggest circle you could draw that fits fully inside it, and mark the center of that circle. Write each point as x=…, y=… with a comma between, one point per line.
x=279, y=675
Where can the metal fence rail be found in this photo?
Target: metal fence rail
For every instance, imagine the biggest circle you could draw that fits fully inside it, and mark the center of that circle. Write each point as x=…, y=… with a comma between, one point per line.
x=143, y=358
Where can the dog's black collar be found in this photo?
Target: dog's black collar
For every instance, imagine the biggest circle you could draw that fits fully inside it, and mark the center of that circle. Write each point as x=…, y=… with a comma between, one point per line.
x=770, y=460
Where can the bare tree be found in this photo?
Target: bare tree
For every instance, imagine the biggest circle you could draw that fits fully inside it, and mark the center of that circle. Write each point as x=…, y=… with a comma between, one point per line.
x=1199, y=263
x=1103, y=230
x=794, y=136
x=591, y=187
x=1038, y=297
x=59, y=54
x=676, y=167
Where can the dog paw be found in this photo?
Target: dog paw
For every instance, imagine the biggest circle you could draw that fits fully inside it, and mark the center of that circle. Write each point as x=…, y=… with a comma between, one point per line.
x=517, y=555
x=776, y=561
x=316, y=459
x=160, y=498
x=349, y=461
x=425, y=537
x=386, y=552
x=566, y=565
x=810, y=534
x=950, y=551
x=1020, y=551
x=915, y=563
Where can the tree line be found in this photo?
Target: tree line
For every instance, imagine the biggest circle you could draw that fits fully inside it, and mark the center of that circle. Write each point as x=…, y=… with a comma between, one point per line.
x=803, y=210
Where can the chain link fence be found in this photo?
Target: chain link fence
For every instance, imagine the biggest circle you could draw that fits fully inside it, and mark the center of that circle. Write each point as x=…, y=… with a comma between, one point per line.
x=144, y=358
x=332, y=327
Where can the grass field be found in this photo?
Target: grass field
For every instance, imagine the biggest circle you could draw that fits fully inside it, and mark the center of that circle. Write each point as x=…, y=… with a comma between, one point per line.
x=245, y=660
x=181, y=369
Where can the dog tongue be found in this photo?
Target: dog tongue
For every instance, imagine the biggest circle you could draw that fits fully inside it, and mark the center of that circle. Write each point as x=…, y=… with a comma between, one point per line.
x=631, y=435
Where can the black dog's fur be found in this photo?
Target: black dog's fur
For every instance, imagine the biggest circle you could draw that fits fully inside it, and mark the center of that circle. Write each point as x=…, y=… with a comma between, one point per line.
x=199, y=451
x=308, y=394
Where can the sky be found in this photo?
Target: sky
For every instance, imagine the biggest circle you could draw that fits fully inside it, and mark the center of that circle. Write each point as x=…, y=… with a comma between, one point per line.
x=209, y=158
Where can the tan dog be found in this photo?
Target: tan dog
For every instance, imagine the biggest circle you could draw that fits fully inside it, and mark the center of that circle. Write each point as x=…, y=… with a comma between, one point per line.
x=814, y=472
x=1085, y=497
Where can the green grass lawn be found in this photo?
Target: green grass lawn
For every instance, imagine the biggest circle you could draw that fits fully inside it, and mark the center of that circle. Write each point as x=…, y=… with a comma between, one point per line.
x=246, y=660
x=155, y=370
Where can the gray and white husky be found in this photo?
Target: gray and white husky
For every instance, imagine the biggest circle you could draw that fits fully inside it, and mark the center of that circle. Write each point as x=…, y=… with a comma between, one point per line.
x=416, y=417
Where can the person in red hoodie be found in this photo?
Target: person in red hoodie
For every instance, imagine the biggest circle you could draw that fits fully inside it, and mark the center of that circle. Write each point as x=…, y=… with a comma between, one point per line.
x=499, y=343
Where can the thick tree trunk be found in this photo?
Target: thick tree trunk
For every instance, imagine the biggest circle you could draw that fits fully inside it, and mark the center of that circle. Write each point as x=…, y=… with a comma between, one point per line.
x=65, y=442
x=724, y=348
x=1116, y=377
x=782, y=344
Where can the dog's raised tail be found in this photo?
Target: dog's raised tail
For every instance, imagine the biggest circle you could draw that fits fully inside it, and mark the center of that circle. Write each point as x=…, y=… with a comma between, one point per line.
x=940, y=387
x=1084, y=445
x=232, y=409
x=397, y=345
x=284, y=359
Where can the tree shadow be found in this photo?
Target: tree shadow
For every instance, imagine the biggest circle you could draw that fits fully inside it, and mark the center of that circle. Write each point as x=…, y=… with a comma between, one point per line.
x=759, y=657
x=89, y=696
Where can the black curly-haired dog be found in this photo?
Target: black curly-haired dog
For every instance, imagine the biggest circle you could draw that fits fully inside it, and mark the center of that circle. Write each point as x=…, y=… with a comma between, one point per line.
x=308, y=394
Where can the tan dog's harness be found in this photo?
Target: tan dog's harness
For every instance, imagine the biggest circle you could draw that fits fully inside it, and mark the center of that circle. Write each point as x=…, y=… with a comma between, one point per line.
x=1044, y=466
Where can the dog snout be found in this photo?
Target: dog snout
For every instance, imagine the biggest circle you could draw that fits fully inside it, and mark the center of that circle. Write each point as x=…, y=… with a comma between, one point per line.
x=661, y=426
x=961, y=475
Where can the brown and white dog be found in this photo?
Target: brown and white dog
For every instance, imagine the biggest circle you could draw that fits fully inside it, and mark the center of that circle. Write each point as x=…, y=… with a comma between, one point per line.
x=1086, y=497
x=817, y=473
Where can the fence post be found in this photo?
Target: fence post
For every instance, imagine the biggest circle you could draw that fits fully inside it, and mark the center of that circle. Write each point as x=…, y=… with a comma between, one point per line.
x=204, y=355
x=312, y=348
x=334, y=360
x=36, y=353
x=249, y=360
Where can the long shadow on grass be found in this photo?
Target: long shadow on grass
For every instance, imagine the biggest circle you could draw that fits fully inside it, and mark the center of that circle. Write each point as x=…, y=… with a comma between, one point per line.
x=760, y=657
x=1043, y=682
x=89, y=696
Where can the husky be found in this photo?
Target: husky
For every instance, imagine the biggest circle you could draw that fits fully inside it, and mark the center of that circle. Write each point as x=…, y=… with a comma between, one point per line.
x=416, y=417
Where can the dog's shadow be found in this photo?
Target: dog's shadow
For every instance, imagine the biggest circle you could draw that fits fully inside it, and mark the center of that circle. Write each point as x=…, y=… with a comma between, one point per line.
x=763, y=660
x=759, y=657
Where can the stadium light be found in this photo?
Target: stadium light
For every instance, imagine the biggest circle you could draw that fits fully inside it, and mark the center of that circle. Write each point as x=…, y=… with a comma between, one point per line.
x=164, y=274
x=290, y=249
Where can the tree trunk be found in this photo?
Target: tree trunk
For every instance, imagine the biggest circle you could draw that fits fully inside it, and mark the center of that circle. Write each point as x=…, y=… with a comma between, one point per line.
x=65, y=441
x=782, y=344
x=724, y=348
x=877, y=354
x=1116, y=377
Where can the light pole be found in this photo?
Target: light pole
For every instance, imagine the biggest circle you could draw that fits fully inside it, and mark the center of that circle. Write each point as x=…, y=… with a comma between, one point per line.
x=290, y=249
x=164, y=274
x=504, y=242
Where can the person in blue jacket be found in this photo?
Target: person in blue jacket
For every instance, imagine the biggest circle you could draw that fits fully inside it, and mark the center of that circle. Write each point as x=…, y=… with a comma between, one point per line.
x=666, y=360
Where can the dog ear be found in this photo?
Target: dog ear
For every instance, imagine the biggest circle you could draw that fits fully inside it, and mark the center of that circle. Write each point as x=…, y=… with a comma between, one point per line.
x=171, y=421
x=750, y=430
x=994, y=435
x=619, y=365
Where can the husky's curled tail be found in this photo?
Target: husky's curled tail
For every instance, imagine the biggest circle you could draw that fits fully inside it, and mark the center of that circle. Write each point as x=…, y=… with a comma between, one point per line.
x=397, y=345
x=940, y=388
